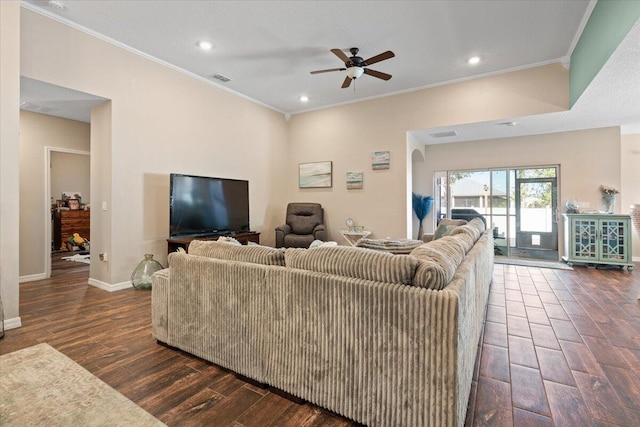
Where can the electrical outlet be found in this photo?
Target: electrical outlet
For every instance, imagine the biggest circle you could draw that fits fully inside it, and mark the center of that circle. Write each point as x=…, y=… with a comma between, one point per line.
x=103, y=257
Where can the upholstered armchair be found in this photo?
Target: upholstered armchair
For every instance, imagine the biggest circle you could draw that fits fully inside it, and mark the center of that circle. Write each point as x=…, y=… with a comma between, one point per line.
x=304, y=224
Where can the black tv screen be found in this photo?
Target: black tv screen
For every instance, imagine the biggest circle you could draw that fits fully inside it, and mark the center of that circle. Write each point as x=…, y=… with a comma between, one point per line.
x=201, y=206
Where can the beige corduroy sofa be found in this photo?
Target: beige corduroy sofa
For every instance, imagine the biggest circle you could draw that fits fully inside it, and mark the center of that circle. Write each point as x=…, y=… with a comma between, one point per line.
x=383, y=339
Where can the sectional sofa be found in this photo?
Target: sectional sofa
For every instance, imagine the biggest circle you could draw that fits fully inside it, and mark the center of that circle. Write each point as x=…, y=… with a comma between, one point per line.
x=380, y=338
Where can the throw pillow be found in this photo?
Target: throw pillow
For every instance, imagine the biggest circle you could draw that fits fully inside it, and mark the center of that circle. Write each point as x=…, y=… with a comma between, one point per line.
x=319, y=243
x=315, y=243
x=446, y=226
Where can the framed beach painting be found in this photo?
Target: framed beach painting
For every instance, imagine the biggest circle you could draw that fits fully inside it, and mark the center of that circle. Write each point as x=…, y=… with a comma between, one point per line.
x=380, y=160
x=354, y=180
x=315, y=175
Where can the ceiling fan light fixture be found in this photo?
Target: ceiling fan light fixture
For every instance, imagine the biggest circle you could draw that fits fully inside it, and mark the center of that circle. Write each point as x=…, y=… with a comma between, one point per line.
x=56, y=4
x=355, y=72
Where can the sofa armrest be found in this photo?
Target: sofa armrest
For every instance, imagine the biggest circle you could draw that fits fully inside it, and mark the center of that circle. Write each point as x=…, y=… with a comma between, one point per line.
x=282, y=231
x=319, y=232
x=159, y=305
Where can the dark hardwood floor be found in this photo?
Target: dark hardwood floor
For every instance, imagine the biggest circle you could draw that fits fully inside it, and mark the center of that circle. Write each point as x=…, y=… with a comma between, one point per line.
x=558, y=348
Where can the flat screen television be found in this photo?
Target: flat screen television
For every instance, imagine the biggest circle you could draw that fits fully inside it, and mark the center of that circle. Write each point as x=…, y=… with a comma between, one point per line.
x=201, y=206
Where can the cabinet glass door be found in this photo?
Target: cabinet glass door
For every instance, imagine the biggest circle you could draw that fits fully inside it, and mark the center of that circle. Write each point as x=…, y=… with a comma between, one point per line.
x=613, y=240
x=584, y=244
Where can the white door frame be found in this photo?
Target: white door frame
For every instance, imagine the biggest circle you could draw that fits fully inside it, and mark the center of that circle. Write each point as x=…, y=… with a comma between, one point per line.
x=47, y=201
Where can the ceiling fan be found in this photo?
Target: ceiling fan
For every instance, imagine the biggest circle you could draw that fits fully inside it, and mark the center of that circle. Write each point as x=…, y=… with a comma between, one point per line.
x=355, y=66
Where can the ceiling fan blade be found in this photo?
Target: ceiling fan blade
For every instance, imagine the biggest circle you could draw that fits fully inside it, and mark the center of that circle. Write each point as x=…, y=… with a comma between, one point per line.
x=378, y=74
x=346, y=83
x=381, y=57
x=340, y=54
x=326, y=71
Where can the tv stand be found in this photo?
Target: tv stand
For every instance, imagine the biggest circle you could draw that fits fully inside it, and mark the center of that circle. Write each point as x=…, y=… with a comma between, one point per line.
x=243, y=237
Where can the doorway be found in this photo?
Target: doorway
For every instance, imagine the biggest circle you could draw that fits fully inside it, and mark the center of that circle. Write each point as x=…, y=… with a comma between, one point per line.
x=518, y=204
x=67, y=171
x=536, y=200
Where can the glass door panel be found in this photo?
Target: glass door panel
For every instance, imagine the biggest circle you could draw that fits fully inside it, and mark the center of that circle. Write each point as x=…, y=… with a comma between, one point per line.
x=536, y=209
x=500, y=210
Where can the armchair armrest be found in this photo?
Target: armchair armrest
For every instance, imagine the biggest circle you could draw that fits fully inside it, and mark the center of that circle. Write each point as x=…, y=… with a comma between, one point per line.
x=286, y=228
x=318, y=232
x=282, y=231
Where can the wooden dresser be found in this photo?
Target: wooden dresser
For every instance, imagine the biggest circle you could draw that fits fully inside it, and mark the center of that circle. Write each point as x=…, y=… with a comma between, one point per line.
x=65, y=223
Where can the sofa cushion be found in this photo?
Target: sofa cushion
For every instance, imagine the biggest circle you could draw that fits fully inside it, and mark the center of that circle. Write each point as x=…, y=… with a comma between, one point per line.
x=478, y=224
x=438, y=261
x=354, y=262
x=446, y=226
x=403, y=246
x=229, y=251
x=467, y=229
x=465, y=239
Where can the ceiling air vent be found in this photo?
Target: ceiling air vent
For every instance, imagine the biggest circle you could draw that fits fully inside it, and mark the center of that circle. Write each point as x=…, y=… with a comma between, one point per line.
x=444, y=134
x=221, y=78
x=30, y=106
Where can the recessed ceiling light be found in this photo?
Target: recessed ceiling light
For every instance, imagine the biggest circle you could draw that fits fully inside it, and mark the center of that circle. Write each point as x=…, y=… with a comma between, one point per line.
x=304, y=98
x=205, y=45
x=474, y=60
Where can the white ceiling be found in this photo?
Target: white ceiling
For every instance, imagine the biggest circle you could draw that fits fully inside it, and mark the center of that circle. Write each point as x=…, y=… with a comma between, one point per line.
x=268, y=48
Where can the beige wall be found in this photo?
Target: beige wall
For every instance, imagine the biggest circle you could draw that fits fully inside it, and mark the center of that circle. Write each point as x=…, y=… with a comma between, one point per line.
x=162, y=121
x=38, y=131
x=630, y=188
x=70, y=172
x=101, y=171
x=9, y=155
x=347, y=135
x=577, y=153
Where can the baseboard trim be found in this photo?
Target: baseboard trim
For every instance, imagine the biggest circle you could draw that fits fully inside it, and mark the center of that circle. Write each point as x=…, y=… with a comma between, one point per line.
x=12, y=323
x=110, y=287
x=635, y=259
x=32, y=278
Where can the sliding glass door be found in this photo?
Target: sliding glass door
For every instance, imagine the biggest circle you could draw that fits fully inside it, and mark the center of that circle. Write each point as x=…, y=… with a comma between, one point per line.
x=519, y=205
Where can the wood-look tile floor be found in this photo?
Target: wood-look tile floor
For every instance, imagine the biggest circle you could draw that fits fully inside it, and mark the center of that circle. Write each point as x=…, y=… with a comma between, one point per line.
x=558, y=348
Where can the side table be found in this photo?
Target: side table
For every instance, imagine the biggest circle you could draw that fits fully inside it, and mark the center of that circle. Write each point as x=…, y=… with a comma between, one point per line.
x=352, y=237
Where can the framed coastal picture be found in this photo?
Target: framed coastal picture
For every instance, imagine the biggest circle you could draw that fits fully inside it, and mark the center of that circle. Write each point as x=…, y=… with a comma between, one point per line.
x=354, y=180
x=380, y=160
x=315, y=175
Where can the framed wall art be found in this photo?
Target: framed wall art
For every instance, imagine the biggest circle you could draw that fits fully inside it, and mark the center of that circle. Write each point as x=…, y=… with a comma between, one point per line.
x=315, y=175
x=381, y=160
x=354, y=180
